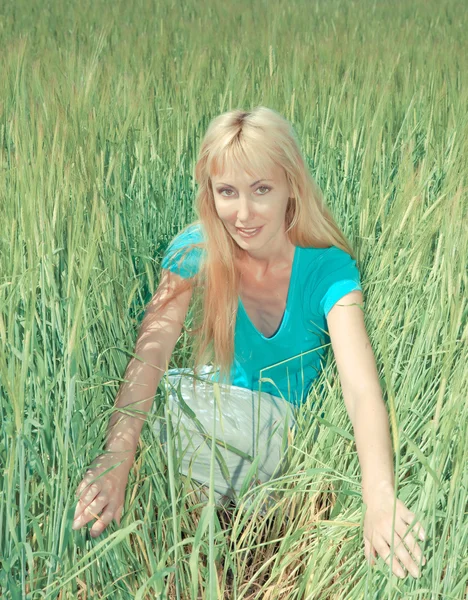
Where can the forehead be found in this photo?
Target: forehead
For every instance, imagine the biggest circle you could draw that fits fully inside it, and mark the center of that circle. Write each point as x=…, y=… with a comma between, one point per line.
x=238, y=174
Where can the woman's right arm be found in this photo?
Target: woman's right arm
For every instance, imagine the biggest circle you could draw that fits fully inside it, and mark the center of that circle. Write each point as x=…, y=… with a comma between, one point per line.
x=157, y=337
x=103, y=486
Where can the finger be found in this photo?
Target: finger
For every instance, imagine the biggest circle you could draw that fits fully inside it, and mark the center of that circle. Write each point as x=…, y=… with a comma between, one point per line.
x=384, y=551
x=91, y=511
x=367, y=549
x=80, y=488
x=87, y=496
x=118, y=514
x=88, y=514
x=80, y=508
x=369, y=552
x=405, y=557
x=86, y=487
x=410, y=542
x=410, y=518
x=419, y=530
x=89, y=476
x=406, y=513
x=102, y=521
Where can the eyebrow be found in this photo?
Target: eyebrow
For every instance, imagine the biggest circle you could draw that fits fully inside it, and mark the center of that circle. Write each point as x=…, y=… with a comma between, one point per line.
x=251, y=185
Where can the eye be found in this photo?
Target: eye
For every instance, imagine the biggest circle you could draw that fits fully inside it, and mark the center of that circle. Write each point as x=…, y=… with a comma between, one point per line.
x=265, y=187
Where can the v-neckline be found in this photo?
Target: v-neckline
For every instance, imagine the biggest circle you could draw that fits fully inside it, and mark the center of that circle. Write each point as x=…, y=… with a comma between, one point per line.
x=286, y=308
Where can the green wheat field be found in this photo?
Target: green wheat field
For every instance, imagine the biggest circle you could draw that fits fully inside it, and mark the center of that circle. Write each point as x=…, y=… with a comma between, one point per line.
x=102, y=109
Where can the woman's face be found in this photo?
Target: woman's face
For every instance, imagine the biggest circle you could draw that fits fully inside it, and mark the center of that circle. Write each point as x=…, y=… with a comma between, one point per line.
x=244, y=202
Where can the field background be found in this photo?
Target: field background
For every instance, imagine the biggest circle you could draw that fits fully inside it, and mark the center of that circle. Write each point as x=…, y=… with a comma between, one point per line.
x=102, y=109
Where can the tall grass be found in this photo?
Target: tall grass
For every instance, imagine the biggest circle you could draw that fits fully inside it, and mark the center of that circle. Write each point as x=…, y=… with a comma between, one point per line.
x=102, y=107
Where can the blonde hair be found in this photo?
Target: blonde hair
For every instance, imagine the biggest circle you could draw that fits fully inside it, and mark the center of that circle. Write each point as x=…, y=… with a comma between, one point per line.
x=252, y=141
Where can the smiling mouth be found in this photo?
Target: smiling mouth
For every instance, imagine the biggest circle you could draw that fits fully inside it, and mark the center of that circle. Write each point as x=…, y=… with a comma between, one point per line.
x=248, y=233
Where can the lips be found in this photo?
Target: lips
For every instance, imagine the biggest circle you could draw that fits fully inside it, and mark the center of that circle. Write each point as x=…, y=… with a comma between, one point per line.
x=249, y=233
x=248, y=229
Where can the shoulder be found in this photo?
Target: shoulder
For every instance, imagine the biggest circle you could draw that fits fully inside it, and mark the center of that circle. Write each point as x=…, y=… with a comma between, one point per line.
x=192, y=233
x=185, y=251
x=323, y=261
x=315, y=261
x=336, y=258
x=329, y=274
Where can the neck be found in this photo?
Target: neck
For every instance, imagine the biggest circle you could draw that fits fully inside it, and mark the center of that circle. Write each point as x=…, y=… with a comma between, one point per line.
x=267, y=260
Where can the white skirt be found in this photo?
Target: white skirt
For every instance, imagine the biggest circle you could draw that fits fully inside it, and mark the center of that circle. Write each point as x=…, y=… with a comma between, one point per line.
x=246, y=424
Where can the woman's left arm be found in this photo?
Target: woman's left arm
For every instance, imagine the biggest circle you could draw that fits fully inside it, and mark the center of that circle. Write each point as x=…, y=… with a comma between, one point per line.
x=366, y=409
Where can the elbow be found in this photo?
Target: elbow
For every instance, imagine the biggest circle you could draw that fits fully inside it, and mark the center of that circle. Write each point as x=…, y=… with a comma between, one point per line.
x=363, y=403
x=350, y=403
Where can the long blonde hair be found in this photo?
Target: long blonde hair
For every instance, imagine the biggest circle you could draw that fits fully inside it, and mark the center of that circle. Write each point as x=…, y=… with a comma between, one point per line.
x=251, y=141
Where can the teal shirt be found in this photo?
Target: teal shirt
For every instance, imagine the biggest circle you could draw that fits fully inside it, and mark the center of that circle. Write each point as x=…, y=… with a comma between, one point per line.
x=287, y=363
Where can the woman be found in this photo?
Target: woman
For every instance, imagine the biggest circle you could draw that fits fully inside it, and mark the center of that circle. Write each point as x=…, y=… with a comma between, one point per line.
x=276, y=279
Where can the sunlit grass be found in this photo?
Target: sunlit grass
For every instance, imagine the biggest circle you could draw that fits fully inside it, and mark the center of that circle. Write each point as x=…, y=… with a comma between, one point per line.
x=102, y=107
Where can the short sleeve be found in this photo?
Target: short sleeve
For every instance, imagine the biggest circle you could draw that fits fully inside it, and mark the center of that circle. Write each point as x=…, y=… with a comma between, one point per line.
x=180, y=258
x=338, y=276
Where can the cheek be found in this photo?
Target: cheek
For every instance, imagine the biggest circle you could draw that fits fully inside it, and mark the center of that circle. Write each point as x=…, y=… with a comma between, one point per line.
x=226, y=213
x=219, y=211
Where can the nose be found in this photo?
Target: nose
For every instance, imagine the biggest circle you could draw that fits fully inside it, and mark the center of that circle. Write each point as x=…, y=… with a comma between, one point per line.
x=245, y=210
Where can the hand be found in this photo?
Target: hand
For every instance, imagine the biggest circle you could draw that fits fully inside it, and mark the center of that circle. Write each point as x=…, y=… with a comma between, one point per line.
x=378, y=533
x=106, y=492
